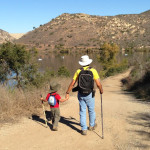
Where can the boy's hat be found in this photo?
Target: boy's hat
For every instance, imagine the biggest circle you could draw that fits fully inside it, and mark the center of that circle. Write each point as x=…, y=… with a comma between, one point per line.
x=54, y=87
x=84, y=61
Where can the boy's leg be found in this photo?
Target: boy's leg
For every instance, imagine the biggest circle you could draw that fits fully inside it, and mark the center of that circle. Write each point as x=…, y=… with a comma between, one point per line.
x=52, y=115
x=56, y=117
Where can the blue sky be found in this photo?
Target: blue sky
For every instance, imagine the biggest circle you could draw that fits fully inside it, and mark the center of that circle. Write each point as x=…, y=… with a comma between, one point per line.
x=20, y=16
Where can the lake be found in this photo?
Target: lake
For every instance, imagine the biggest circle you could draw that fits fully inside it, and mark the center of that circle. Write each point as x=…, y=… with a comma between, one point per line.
x=70, y=61
x=53, y=61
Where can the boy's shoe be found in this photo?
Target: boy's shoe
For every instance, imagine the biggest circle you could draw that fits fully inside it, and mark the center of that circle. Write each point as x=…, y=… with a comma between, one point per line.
x=84, y=132
x=55, y=129
x=93, y=128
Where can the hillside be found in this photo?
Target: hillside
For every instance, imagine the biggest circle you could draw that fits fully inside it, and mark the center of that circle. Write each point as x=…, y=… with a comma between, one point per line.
x=17, y=35
x=5, y=36
x=74, y=31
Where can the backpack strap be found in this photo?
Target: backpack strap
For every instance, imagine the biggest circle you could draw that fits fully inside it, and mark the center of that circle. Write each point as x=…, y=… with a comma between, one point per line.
x=52, y=95
x=89, y=68
x=81, y=69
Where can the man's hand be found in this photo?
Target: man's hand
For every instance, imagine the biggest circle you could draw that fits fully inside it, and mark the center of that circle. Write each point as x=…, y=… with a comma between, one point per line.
x=67, y=96
x=98, y=83
x=70, y=88
x=101, y=92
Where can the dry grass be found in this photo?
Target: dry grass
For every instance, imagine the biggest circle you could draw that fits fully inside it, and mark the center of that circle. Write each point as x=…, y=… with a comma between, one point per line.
x=15, y=104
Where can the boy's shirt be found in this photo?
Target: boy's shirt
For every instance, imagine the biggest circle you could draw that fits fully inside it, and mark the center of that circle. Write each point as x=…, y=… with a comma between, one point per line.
x=57, y=96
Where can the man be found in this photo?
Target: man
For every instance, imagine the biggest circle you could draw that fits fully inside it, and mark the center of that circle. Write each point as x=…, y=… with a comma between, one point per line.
x=85, y=93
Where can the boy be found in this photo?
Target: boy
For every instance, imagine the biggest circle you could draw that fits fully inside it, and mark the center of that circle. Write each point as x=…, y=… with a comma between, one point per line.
x=55, y=111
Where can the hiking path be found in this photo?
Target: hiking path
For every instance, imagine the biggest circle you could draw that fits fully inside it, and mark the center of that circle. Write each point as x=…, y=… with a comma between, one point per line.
x=126, y=125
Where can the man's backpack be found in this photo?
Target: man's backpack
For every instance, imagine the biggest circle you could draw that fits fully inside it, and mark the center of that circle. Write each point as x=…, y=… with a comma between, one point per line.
x=52, y=100
x=85, y=81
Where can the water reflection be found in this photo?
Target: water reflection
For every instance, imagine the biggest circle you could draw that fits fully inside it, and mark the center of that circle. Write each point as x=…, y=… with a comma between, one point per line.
x=54, y=61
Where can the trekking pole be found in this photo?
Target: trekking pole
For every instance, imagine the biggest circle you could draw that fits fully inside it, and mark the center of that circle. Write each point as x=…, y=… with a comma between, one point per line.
x=44, y=112
x=102, y=118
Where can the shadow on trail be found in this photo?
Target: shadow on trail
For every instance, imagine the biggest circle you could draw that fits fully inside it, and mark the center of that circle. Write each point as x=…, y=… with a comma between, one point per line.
x=41, y=121
x=69, y=122
x=142, y=120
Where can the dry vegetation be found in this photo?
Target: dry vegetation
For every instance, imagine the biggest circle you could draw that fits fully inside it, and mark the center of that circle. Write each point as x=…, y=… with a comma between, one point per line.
x=15, y=103
x=81, y=31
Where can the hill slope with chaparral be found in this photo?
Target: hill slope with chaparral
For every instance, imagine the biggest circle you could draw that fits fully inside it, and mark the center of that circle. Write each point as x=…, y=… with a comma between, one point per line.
x=5, y=36
x=83, y=31
x=17, y=35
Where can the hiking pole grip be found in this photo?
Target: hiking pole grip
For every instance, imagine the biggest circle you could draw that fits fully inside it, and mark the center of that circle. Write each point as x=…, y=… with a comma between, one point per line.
x=41, y=97
x=102, y=117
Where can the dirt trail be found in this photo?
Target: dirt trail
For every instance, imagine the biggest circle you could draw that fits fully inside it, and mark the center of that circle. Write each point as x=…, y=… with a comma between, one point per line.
x=126, y=125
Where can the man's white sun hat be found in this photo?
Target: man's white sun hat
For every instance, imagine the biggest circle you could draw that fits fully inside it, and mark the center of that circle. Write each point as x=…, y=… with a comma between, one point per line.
x=84, y=61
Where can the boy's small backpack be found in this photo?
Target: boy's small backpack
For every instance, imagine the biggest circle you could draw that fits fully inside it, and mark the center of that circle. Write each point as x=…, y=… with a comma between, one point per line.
x=52, y=100
x=85, y=81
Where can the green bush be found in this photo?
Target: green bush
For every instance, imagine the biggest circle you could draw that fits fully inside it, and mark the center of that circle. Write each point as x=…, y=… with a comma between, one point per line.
x=63, y=71
x=17, y=63
x=108, y=52
x=112, y=69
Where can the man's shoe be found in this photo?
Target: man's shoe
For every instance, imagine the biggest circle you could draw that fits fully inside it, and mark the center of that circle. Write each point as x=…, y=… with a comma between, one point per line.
x=55, y=129
x=93, y=128
x=84, y=132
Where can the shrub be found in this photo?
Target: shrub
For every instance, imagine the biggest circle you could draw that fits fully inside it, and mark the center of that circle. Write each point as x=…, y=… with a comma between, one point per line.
x=64, y=51
x=112, y=69
x=18, y=103
x=108, y=52
x=140, y=87
x=17, y=63
x=63, y=71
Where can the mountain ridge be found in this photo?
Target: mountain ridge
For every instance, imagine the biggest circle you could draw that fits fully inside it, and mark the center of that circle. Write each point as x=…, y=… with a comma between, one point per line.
x=5, y=36
x=83, y=31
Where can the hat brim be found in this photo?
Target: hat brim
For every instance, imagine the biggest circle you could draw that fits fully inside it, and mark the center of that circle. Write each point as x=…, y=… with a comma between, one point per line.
x=55, y=89
x=85, y=63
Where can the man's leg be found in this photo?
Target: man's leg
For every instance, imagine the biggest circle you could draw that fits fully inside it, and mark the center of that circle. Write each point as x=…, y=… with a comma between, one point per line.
x=91, y=110
x=82, y=105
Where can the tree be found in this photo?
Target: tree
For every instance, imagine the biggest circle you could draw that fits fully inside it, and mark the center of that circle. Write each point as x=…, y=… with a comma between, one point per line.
x=17, y=63
x=108, y=52
x=109, y=63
